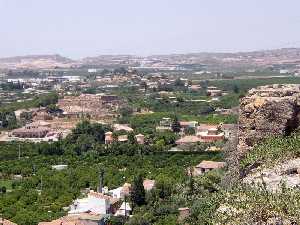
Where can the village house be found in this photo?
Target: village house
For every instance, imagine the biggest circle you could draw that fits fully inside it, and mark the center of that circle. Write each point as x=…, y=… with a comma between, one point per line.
x=96, y=203
x=78, y=219
x=206, y=166
x=210, y=135
x=140, y=139
x=165, y=124
x=187, y=140
x=122, y=127
x=37, y=131
x=188, y=124
x=204, y=133
x=148, y=184
x=30, y=131
x=213, y=91
x=194, y=87
x=124, y=210
x=123, y=138
x=109, y=137
x=120, y=192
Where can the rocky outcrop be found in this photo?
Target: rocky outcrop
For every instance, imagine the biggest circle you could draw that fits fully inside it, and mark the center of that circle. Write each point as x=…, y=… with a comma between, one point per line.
x=267, y=111
x=287, y=172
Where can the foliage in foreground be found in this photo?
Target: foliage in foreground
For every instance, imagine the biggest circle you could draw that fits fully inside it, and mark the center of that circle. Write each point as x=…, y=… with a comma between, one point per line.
x=271, y=151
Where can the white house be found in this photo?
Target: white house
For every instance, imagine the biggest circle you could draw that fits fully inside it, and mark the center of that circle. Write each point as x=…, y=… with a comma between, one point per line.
x=96, y=203
x=124, y=210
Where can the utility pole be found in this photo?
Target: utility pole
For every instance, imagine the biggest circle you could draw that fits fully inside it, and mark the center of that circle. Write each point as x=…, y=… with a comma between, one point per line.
x=33, y=168
x=41, y=184
x=125, y=205
x=19, y=151
x=101, y=177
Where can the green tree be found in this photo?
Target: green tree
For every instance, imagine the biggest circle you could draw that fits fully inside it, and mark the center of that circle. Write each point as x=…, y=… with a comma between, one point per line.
x=138, y=194
x=164, y=186
x=3, y=190
x=236, y=89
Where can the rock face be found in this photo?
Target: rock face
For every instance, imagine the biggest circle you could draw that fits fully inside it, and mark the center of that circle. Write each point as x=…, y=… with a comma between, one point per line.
x=287, y=172
x=266, y=111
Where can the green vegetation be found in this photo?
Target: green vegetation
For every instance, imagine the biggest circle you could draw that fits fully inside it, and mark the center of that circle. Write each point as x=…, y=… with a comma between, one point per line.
x=41, y=192
x=8, y=118
x=272, y=150
x=42, y=100
x=246, y=84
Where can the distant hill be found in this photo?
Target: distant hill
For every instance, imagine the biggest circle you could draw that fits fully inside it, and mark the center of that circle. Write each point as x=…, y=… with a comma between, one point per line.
x=289, y=57
x=36, y=62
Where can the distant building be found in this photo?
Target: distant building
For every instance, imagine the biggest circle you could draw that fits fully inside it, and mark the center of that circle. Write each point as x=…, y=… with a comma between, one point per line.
x=188, y=124
x=194, y=87
x=122, y=127
x=35, y=132
x=214, y=92
x=140, y=139
x=183, y=213
x=92, y=70
x=59, y=167
x=206, y=166
x=284, y=71
x=186, y=140
x=31, y=131
x=165, y=124
x=78, y=219
x=211, y=135
x=124, y=210
x=108, y=137
x=95, y=202
x=148, y=184
x=122, y=138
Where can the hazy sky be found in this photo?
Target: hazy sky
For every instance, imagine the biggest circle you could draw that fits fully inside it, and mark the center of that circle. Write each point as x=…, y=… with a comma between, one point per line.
x=78, y=28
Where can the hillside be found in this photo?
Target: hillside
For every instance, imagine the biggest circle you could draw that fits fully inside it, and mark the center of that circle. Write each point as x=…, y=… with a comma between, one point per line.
x=279, y=58
x=36, y=62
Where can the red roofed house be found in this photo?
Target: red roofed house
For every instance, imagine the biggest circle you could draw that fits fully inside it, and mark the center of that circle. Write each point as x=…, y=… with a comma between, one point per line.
x=210, y=133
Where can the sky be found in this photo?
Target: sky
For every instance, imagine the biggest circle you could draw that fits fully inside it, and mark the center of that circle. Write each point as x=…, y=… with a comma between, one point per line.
x=81, y=28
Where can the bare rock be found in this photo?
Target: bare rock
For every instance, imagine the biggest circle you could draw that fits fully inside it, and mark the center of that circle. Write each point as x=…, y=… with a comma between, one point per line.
x=287, y=172
x=267, y=111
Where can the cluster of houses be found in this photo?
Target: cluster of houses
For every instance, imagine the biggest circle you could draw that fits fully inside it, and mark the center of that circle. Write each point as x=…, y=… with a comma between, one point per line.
x=205, y=133
x=97, y=207
x=109, y=138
